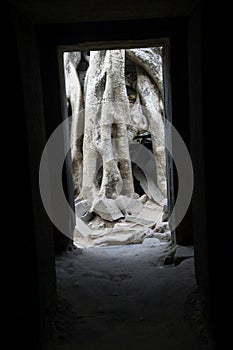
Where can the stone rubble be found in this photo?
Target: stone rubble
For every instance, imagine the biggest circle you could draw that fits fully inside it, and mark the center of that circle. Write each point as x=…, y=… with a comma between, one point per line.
x=121, y=221
x=107, y=209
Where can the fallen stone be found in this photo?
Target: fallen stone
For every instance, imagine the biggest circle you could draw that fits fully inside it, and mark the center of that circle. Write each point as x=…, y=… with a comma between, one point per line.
x=129, y=205
x=97, y=223
x=138, y=220
x=87, y=217
x=162, y=227
x=123, y=202
x=82, y=210
x=151, y=213
x=82, y=207
x=107, y=209
x=125, y=225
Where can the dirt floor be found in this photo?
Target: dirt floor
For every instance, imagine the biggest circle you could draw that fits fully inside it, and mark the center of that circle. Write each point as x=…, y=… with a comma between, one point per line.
x=139, y=296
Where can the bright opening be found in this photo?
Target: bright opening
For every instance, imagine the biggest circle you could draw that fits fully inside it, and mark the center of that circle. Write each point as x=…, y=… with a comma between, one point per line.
x=116, y=106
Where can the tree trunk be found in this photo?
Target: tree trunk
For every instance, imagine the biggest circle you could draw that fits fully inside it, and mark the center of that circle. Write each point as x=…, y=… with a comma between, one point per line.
x=106, y=119
x=104, y=122
x=74, y=97
x=149, y=59
x=152, y=109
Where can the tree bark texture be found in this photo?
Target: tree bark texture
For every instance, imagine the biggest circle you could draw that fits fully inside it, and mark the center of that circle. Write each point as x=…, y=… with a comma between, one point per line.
x=105, y=122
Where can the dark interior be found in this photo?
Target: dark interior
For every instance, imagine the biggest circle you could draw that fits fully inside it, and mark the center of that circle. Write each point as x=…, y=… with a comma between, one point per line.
x=33, y=32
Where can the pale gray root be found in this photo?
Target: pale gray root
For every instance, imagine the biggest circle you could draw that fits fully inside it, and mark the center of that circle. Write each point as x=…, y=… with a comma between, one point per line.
x=152, y=108
x=138, y=120
x=111, y=179
x=74, y=97
x=149, y=59
x=124, y=161
x=93, y=91
x=106, y=120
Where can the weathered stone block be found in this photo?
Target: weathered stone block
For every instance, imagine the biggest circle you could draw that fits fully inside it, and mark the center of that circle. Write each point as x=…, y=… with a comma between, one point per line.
x=129, y=205
x=107, y=209
x=82, y=210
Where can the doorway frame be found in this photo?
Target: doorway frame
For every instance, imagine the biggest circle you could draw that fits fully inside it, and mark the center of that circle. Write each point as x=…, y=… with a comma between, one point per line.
x=167, y=98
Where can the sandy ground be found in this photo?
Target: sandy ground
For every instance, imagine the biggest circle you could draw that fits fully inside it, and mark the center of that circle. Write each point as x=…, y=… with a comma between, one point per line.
x=139, y=296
